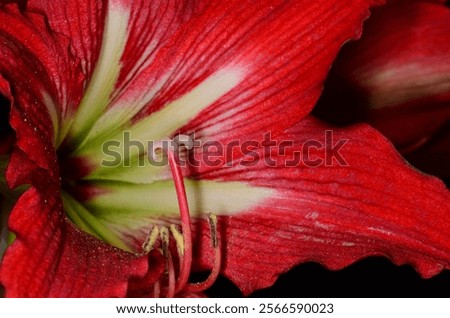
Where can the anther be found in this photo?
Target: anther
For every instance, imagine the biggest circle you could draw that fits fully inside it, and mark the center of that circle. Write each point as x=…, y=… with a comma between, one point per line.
x=178, y=239
x=164, y=235
x=215, y=242
x=212, y=219
x=149, y=244
x=170, y=270
x=180, y=244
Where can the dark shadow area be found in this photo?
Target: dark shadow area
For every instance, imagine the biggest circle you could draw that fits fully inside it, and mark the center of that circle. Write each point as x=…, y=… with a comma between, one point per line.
x=21, y=3
x=340, y=103
x=222, y=288
x=371, y=277
x=7, y=134
x=434, y=156
x=5, y=128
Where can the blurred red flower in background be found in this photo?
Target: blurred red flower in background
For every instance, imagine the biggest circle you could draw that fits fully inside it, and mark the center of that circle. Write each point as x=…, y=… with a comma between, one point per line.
x=397, y=78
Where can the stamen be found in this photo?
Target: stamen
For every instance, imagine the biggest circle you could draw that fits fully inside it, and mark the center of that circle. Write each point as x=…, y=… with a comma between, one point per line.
x=151, y=240
x=180, y=244
x=178, y=239
x=170, y=270
x=215, y=242
x=171, y=286
x=212, y=219
x=185, y=221
x=157, y=284
x=164, y=235
x=184, y=240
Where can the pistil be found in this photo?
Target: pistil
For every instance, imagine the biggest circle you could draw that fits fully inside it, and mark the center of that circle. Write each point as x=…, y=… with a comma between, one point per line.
x=183, y=241
x=185, y=221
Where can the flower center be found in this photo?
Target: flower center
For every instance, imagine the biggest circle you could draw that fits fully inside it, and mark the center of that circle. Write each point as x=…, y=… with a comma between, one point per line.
x=77, y=190
x=112, y=190
x=109, y=187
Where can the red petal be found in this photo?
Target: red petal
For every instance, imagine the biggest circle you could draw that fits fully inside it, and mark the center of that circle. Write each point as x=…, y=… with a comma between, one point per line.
x=50, y=258
x=84, y=21
x=43, y=78
x=21, y=3
x=147, y=26
x=333, y=214
x=143, y=287
x=80, y=21
x=284, y=47
x=396, y=76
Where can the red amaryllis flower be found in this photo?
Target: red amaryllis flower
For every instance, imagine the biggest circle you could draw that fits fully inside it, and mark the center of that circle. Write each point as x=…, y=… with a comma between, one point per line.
x=95, y=85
